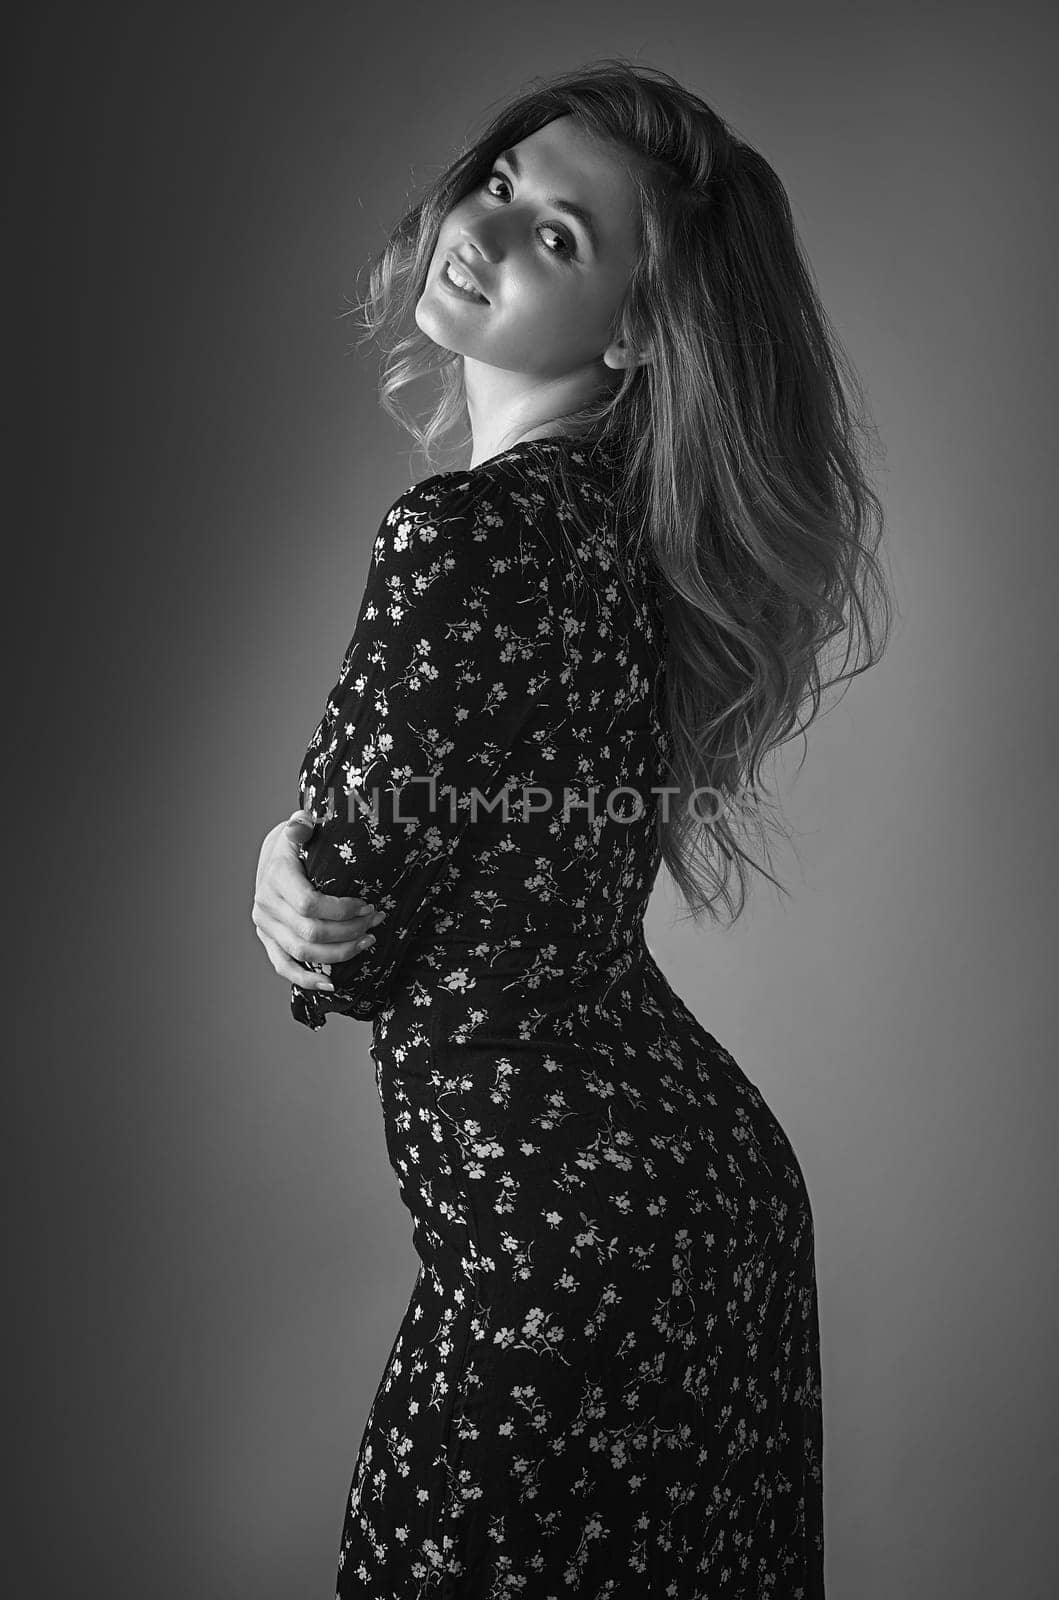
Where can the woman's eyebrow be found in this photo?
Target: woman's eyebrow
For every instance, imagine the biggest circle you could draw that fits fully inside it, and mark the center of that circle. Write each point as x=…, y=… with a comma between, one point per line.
x=584, y=217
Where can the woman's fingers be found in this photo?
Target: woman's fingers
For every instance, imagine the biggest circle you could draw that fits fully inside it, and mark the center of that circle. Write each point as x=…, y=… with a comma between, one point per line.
x=329, y=908
x=329, y=935
x=298, y=943
x=308, y=929
x=290, y=969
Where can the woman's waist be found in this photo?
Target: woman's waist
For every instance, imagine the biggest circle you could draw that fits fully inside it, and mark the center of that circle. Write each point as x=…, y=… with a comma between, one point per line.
x=472, y=937
x=549, y=972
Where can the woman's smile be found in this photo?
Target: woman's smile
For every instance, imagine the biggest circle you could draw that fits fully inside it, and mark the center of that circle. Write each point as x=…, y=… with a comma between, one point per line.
x=456, y=283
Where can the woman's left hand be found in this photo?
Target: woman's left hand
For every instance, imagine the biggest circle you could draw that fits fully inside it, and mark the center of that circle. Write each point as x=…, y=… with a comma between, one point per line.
x=294, y=921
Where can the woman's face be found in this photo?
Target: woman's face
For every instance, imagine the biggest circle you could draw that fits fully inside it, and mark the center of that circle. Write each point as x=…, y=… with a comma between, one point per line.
x=552, y=281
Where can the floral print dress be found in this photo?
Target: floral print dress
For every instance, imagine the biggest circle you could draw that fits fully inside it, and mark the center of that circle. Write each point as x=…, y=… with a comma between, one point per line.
x=606, y=1383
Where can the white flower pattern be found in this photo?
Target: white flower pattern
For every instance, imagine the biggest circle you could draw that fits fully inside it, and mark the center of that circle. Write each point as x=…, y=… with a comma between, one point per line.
x=607, y=1382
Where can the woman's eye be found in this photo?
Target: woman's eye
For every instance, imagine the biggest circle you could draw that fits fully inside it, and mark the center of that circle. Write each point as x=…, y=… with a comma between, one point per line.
x=567, y=244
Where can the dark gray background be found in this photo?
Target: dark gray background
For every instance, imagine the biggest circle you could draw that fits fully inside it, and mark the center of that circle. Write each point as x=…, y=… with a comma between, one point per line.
x=211, y=1252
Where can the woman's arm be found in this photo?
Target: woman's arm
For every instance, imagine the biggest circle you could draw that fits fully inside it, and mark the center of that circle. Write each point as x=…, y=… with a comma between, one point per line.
x=459, y=638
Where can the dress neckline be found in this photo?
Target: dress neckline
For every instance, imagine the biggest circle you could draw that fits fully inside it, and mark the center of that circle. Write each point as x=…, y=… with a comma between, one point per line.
x=521, y=444
x=587, y=446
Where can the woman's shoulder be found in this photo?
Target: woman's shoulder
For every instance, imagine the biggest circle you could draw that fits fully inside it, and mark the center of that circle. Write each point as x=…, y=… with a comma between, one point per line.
x=543, y=515
x=475, y=524
x=542, y=487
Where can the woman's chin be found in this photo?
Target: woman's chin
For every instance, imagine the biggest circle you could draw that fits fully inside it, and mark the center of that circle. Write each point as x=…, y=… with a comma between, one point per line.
x=435, y=325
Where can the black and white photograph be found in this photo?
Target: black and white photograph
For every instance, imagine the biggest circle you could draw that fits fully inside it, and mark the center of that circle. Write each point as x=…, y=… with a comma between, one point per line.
x=533, y=637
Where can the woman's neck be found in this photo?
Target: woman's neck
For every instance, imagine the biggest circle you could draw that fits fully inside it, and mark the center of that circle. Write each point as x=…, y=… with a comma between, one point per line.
x=507, y=408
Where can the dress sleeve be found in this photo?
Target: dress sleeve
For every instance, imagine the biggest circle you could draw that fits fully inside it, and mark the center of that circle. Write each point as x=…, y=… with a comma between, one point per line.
x=457, y=640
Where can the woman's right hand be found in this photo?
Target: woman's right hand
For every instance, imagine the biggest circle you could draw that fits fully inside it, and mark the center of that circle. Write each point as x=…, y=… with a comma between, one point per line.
x=294, y=921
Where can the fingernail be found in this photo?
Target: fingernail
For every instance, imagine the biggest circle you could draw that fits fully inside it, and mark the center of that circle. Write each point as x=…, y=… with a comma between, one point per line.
x=328, y=986
x=364, y=943
x=380, y=916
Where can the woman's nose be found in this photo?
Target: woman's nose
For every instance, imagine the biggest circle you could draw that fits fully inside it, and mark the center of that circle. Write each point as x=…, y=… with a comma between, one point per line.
x=483, y=238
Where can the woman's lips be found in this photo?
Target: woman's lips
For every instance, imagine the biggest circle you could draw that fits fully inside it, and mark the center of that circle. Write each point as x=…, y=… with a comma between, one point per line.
x=462, y=294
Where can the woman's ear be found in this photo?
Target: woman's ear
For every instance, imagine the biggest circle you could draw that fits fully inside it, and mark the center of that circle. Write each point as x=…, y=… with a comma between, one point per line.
x=618, y=355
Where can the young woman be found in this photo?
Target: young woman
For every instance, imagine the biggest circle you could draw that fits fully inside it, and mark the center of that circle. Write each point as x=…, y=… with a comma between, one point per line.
x=571, y=658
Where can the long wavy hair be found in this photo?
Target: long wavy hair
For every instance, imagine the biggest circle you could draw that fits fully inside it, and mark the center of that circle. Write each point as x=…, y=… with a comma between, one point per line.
x=744, y=441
